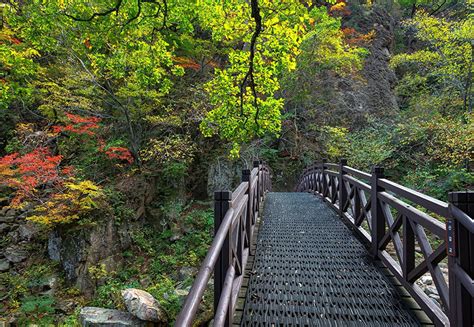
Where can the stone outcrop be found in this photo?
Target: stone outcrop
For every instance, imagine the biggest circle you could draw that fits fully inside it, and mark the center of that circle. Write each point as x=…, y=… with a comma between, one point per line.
x=143, y=305
x=80, y=248
x=100, y=317
x=19, y=233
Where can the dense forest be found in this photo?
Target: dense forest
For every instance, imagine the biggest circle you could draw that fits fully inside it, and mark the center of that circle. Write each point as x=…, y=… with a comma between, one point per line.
x=120, y=118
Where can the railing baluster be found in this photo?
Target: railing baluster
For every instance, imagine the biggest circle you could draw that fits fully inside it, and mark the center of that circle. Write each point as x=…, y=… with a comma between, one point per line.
x=342, y=187
x=246, y=177
x=378, y=221
x=408, y=263
x=325, y=182
x=221, y=205
x=256, y=164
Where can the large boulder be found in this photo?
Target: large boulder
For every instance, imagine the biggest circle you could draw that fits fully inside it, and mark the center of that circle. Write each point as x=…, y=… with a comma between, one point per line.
x=143, y=305
x=98, y=317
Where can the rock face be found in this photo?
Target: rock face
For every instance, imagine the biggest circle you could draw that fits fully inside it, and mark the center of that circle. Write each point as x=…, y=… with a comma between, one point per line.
x=374, y=93
x=143, y=305
x=15, y=254
x=334, y=99
x=221, y=175
x=224, y=174
x=91, y=316
x=4, y=265
x=81, y=248
x=377, y=94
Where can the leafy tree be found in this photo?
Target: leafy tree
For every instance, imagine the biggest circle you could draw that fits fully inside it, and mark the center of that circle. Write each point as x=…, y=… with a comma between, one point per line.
x=444, y=66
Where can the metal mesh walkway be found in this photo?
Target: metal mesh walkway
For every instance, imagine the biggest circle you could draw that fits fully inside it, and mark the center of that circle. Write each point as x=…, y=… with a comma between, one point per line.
x=310, y=270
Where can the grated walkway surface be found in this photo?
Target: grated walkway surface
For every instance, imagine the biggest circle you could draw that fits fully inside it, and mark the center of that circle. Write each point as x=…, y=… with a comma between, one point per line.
x=310, y=270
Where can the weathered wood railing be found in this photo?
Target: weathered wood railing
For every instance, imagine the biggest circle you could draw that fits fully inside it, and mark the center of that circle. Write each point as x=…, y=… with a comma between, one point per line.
x=384, y=212
x=235, y=216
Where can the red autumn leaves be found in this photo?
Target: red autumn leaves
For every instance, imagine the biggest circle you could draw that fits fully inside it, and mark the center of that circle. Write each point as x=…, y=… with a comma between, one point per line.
x=26, y=173
x=88, y=126
x=79, y=125
x=40, y=169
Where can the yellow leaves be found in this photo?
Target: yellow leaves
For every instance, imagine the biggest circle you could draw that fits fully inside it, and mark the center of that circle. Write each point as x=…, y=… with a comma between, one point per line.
x=167, y=150
x=98, y=271
x=76, y=200
x=446, y=139
x=337, y=141
x=338, y=6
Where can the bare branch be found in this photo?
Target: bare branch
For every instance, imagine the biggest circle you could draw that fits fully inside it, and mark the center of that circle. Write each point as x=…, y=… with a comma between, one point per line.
x=249, y=76
x=115, y=9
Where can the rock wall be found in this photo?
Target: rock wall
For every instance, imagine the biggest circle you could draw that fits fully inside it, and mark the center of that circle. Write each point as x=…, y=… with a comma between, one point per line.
x=78, y=249
x=372, y=92
x=17, y=235
x=337, y=100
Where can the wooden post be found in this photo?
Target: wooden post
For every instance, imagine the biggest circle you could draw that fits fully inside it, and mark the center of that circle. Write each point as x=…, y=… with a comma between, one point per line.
x=256, y=164
x=325, y=182
x=342, y=187
x=222, y=202
x=461, y=254
x=249, y=219
x=376, y=213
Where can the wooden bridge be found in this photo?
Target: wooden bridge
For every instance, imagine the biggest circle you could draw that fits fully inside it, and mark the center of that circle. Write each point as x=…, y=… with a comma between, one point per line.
x=347, y=248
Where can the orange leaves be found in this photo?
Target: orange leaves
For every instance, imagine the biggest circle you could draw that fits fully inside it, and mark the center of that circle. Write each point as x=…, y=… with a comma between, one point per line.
x=339, y=9
x=87, y=43
x=187, y=63
x=79, y=125
x=352, y=37
x=26, y=173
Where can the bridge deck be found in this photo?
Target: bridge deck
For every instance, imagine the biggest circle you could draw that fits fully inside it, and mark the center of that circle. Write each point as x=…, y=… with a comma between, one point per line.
x=310, y=270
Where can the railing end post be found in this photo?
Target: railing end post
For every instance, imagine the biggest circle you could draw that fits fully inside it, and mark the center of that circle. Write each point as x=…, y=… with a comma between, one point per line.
x=461, y=256
x=378, y=171
x=245, y=175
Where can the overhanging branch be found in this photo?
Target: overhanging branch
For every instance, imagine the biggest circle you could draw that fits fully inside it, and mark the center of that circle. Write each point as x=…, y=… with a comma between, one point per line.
x=249, y=76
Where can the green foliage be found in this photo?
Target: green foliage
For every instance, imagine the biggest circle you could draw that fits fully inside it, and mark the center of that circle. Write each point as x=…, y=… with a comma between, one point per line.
x=108, y=295
x=117, y=202
x=164, y=290
x=445, y=64
x=241, y=113
x=18, y=69
x=371, y=146
x=19, y=288
x=324, y=47
x=438, y=181
x=37, y=309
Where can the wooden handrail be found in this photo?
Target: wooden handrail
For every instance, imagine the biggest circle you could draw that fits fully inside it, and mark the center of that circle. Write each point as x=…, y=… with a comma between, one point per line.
x=360, y=197
x=235, y=212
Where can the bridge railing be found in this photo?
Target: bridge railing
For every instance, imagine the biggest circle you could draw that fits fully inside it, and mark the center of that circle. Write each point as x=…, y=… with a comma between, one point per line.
x=397, y=222
x=235, y=216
